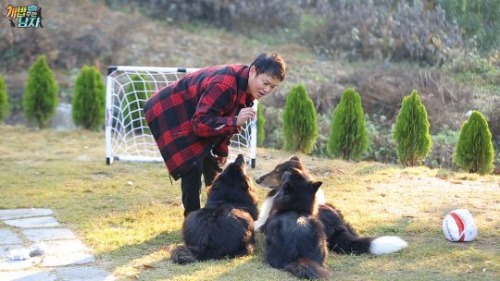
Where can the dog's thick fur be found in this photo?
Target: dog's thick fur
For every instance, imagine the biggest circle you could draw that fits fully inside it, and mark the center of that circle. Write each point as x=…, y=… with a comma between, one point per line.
x=295, y=238
x=225, y=226
x=341, y=236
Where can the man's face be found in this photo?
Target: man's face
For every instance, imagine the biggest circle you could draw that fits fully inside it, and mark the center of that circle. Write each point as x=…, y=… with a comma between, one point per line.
x=262, y=84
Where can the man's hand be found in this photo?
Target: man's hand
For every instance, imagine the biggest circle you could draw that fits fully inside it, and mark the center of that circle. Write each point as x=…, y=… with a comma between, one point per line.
x=244, y=115
x=222, y=160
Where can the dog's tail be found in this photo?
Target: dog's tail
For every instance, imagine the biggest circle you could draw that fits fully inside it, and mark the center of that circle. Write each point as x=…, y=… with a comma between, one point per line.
x=182, y=255
x=342, y=238
x=307, y=269
x=387, y=244
x=364, y=245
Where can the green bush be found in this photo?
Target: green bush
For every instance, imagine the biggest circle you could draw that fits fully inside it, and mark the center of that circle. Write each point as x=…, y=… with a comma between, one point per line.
x=411, y=131
x=137, y=92
x=478, y=19
x=324, y=125
x=393, y=30
x=261, y=122
x=348, y=135
x=4, y=100
x=41, y=95
x=474, y=151
x=300, y=127
x=88, y=102
x=443, y=145
x=381, y=145
x=273, y=130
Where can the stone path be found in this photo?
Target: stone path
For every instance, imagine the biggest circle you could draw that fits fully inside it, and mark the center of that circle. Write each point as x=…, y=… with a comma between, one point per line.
x=65, y=257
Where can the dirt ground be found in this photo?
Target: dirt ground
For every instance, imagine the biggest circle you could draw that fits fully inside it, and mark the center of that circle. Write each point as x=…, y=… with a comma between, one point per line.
x=414, y=195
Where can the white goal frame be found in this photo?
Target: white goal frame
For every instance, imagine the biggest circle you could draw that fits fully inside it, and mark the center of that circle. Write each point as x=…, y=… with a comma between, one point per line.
x=127, y=142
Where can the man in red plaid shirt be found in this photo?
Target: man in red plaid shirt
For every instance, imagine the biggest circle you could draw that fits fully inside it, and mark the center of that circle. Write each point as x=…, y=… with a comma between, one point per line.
x=193, y=119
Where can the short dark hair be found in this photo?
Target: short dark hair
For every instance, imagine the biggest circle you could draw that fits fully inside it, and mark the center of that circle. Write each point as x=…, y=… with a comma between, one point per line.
x=271, y=64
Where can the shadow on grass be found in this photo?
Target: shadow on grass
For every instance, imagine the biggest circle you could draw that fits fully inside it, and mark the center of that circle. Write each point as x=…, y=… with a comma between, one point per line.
x=426, y=253
x=150, y=260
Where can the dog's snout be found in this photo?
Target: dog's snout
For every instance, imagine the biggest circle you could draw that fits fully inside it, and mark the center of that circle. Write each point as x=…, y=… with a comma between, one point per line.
x=258, y=180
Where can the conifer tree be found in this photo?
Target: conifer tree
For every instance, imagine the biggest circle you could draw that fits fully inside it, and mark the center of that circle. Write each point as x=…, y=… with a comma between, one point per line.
x=4, y=100
x=348, y=134
x=88, y=102
x=41, y=95
x=300, y=126
x=474, y=150
x=261, y=121
x=411, y=131
x=137, y=92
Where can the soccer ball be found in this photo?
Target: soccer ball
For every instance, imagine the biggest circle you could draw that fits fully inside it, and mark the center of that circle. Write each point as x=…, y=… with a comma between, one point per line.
x=459, y=226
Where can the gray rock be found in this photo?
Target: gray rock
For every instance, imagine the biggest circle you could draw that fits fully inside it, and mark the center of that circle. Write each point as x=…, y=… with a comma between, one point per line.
x=28, y=275
x=24, y=213
x=84, y=274
x=33, y=222
x=43, y=234
x=9, y=237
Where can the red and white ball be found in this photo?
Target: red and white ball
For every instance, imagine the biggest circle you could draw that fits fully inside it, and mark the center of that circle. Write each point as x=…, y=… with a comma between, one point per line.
x=459, y=226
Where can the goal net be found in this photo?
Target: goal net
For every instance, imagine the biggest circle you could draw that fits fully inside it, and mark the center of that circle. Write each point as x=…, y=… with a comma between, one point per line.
x=128, y=137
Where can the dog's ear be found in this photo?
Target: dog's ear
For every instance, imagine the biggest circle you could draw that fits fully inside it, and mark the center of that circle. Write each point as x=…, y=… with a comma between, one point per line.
x=295, y=158
x=296, y=171
x=285, y=176
x=316, y=185
x=288, y=188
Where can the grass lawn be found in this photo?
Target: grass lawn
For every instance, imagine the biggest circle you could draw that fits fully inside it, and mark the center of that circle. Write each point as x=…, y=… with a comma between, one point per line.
x=130, y=214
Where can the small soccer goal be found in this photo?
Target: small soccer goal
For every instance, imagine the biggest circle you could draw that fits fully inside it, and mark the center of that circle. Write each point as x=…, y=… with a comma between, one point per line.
x=128, y=137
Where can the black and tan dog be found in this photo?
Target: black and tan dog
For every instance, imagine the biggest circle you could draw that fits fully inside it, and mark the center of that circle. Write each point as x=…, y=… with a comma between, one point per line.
x=295, y=237
x=341, y=236
x=225, y=226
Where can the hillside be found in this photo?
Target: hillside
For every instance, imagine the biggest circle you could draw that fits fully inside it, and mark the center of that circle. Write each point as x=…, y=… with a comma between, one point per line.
x=93, y=33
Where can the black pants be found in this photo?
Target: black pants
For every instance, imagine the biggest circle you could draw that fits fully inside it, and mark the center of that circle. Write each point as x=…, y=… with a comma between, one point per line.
x=191, y=183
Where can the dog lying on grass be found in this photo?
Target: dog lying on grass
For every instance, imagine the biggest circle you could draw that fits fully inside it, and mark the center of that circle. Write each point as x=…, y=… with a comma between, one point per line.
x=225, y=226
x=295, y=238
x=341, y=236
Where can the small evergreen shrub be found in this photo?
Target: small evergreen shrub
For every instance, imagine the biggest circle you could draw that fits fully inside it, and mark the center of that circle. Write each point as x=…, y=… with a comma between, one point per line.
x=411, y=131
x=4, y=100
x=261, y=122
x=41, y=94
x=88, y=102
x=300, y=127
x=138, y=91
x=348, y=135
x=474, y=151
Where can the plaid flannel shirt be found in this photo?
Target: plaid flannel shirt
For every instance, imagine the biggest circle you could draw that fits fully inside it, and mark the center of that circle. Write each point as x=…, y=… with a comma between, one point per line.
x=196, y=115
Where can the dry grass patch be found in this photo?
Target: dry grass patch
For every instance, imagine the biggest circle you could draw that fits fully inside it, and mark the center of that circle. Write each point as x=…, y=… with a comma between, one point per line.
x=130, y=214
